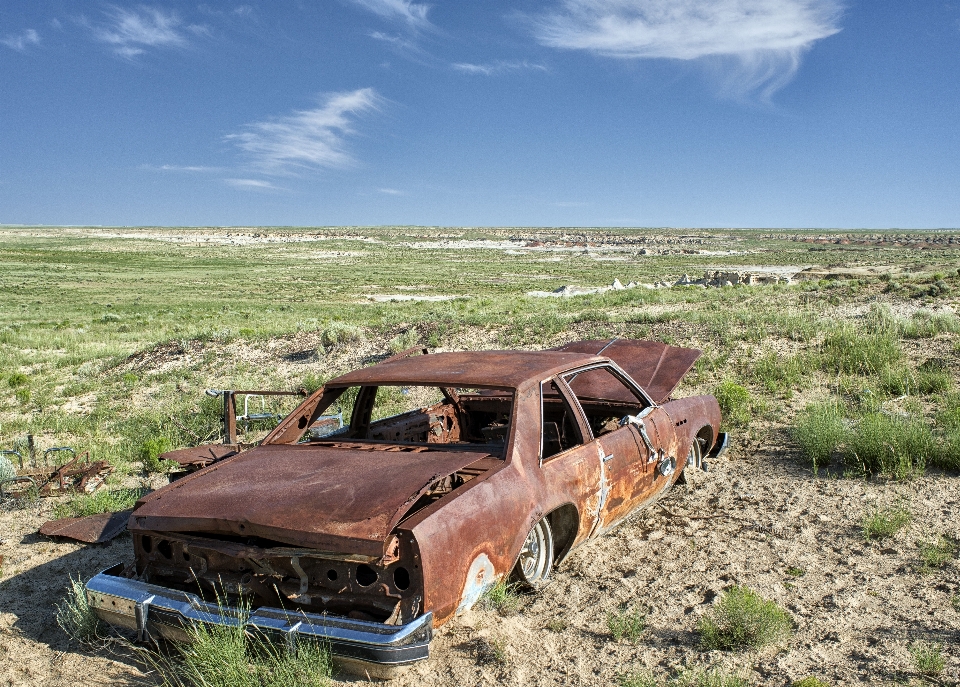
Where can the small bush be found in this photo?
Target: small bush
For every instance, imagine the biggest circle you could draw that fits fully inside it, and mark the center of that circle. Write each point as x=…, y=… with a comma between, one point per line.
x=103, y=501
x=796, y=572
x=744, y=620
x=638, y=679
x=17, y=379
x=928, y=659
x=337, y=333
x=150, y=451
x=75, y=617
x=23, y=395
x=7, y=469
x=626, y=623
x=848, y=350
x=556, y=625
x=502, y=598
x=810, y=681
x=884, y=523
x=897, y=447
x=707, y=678
x=935, y=555
x=780, y=373
x=734, y=403
x=820, y=431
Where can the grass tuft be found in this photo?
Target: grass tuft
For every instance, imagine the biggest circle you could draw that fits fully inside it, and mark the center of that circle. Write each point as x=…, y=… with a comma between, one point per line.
x=847, y=350
x=76, y=618
x=734, y=401
x=935, y=555
x=820, y=431
x=883, y=523
x=928, y=659
x=810, y=681
x=103, y=501
x=626, y=623
x=744, y=620
x=502, y=597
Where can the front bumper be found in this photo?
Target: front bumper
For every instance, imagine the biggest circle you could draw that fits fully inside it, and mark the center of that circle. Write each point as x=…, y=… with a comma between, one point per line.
x=153, y=610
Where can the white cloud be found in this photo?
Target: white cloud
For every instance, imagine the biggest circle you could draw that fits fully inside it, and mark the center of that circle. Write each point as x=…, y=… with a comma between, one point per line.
x=255, y=184
x=131, y=31
x=194, y=169
x=411, y=13
x=307, y=139
x=390, y=191
x=759, y=43
x=21, y=41
x=497, y=67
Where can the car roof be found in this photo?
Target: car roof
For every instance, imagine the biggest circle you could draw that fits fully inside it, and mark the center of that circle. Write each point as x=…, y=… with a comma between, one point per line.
x=491, y=369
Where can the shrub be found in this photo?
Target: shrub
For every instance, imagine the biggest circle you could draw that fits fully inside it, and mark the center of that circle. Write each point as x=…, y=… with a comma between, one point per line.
x=734, y=403
x=17, y=379
x=150, y=451
x=744, y=620
x=820, y=431
x=338, y=333
x=7, y=469
x=810, y=681
x=884, y=523
x=888, y=445
x=851, y=351
x=928, y=659
x=626, y=623
x=75, y=617
x=779, y=373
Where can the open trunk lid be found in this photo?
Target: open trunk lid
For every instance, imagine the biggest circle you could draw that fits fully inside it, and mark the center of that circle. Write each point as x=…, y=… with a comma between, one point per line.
x=655, y=366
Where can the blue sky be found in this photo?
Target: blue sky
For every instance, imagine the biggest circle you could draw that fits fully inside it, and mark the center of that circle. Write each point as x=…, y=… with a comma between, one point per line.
x=689, y=113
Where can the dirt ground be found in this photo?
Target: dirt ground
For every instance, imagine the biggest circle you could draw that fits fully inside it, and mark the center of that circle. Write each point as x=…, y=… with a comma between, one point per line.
x=756, y=513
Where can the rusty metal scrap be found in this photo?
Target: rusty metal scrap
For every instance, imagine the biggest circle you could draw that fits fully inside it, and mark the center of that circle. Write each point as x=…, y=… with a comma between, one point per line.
x=90, y=529
x=78, y=475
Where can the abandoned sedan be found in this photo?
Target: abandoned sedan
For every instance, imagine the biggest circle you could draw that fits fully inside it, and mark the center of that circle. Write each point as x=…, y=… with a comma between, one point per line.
x=455, y=470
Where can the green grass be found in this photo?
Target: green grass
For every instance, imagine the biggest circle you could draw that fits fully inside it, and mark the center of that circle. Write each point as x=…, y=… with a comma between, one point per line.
x=883, y=523
x=796, y=572
x=225, y=656
x=810, y=681
x=103, y=501
x=735, y=404
x=820, y=431
x=502, y=597
x=626, y=623
x=936, y=554
x=928, y=659
x=76, y=618
x=848, y=350
x=685, y=678
x=744, y=620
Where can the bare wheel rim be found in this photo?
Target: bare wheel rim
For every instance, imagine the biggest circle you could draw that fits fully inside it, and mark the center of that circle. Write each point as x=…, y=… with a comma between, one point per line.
x=536, y=555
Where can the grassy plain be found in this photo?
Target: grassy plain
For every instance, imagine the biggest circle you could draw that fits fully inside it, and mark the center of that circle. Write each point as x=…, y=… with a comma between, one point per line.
x=108, y=337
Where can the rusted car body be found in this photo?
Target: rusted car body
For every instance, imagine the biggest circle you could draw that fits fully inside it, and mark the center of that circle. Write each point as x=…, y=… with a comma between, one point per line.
x=372, y=535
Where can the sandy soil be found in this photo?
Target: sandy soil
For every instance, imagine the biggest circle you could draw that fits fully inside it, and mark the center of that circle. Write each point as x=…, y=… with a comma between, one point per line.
x=858, y=606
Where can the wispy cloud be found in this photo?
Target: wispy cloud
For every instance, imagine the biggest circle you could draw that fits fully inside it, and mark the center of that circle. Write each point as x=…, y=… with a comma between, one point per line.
x=759, y=43
x=132, y=31
x=497, y=67
x=412, y=14
x=390, y=191
x=307, y=139
x=253, y=184
x=180, y=168
x=398, y=42
x=21, y=41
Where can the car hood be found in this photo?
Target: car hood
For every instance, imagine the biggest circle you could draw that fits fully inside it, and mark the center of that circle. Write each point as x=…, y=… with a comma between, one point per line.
x=344, y=500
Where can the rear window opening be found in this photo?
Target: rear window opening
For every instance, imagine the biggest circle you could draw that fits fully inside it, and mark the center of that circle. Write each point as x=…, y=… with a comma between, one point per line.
x=413, y=417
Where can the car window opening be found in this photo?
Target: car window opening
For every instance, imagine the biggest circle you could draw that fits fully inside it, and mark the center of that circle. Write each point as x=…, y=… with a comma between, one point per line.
x=417, y=418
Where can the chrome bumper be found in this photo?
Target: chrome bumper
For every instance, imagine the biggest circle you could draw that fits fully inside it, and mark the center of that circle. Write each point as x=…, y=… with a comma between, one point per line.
x=154, y=610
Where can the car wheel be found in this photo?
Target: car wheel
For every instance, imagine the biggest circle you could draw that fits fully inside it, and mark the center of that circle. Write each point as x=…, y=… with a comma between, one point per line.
x=694, y=459
x=536, y=556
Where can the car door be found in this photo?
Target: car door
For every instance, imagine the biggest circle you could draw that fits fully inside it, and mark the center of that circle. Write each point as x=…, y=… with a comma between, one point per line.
x=629, y=451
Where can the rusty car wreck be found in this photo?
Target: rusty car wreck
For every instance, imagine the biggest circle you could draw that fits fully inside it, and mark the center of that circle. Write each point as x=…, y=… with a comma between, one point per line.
x=455, y=470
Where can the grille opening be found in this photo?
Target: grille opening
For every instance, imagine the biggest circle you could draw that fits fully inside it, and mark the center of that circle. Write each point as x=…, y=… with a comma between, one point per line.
x=401, y=578
x=366, y=575
x=164, y=549
x=147, y=544
x=186, y=555
x=332, y=575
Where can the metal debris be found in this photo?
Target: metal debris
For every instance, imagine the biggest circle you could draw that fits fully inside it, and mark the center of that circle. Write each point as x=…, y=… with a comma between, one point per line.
x=91, y=529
